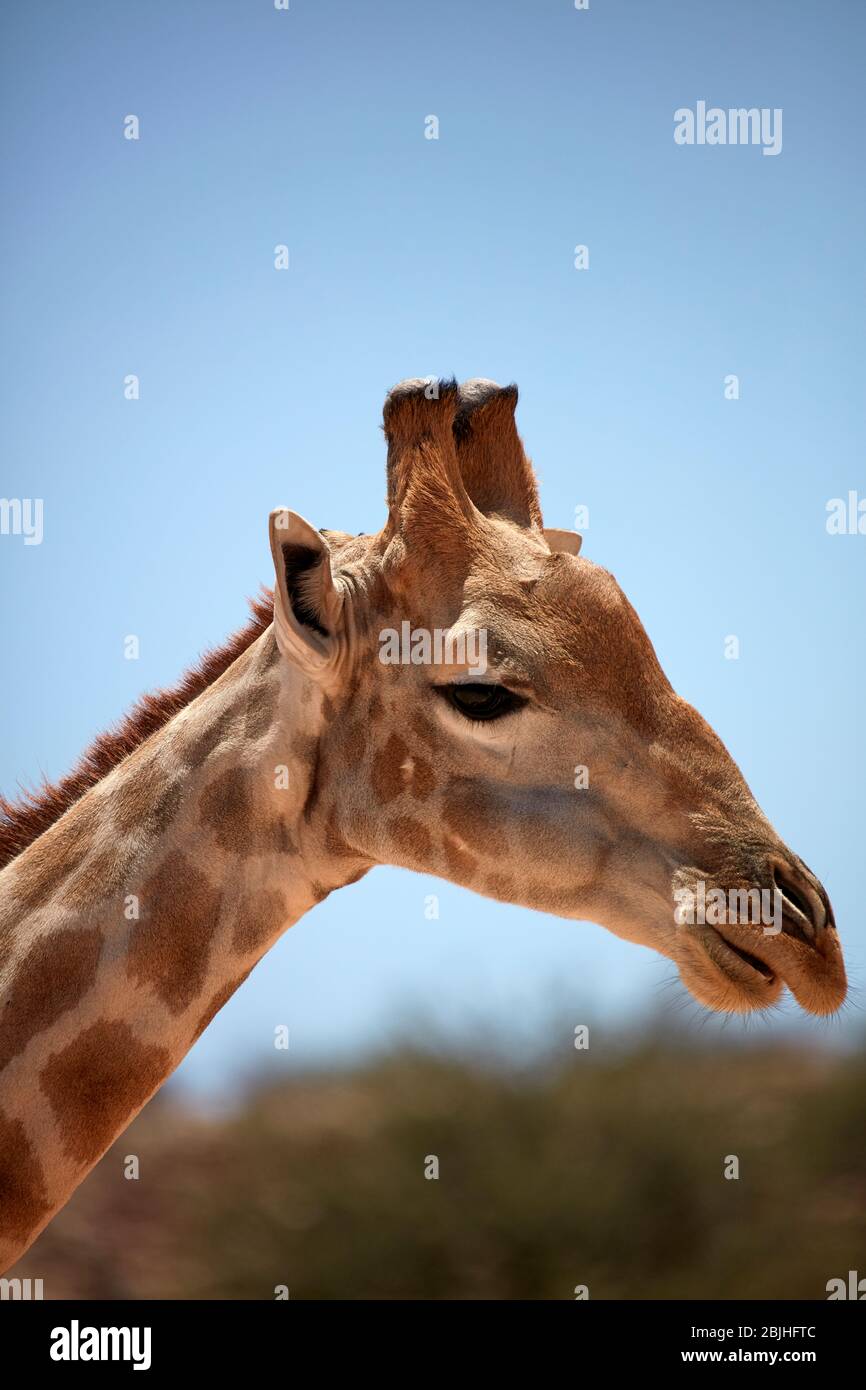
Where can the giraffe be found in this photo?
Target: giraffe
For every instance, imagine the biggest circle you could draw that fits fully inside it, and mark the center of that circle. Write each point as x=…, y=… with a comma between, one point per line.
x=141, y=891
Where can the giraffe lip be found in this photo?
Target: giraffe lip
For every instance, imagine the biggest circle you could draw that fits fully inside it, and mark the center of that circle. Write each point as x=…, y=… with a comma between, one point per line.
x=725, y=948
x=814, y=976
x=759, y=966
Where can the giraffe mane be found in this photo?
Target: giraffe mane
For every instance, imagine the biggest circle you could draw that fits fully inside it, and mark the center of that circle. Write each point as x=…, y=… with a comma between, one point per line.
x=24, y=820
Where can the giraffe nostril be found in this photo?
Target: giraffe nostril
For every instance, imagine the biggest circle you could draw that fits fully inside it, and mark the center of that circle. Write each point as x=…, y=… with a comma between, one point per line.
x=805, y=914
x=794, y=897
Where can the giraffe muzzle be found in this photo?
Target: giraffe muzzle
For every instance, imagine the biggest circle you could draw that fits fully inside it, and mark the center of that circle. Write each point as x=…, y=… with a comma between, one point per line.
x=739, y=948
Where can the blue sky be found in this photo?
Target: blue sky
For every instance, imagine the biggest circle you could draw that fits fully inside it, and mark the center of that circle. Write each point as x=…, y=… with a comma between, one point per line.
x=409, y=257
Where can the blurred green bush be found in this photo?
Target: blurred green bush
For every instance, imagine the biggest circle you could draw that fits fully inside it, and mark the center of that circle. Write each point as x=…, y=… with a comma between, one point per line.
x=608, y=1173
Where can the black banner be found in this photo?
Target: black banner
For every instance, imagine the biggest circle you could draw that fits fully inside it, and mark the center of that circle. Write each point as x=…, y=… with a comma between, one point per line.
x=66, y=1339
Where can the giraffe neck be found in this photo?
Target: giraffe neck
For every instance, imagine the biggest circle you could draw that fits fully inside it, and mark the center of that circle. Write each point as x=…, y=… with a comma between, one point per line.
x=128, y=924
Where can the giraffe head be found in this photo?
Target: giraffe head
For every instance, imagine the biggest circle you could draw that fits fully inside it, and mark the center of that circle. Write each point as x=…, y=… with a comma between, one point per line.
x=493, y=712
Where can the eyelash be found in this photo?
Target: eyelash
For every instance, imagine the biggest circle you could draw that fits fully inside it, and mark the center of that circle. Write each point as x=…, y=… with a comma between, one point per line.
x=505, y=702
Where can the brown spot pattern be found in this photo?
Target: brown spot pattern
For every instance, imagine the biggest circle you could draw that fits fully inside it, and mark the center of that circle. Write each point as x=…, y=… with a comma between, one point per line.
x=147, y=797
x=205, y=742
x=221, y=997
x=410, y=837
x=51, y=859
x=170, y=944
x=305, y=748
x=468, y=813
x=97, y=1082
x=50, y=980
x=259, y=715
x=228, y=808
x=387, y=776
x=422, y=781
x=165, y=808
x=259, y=916
x=425, y=729
x=269, y=651
x=335, y=843
x=354, y=744
x=461, y=866
x=23, y=1203
x=23, y=822
x=101, y=875
x=281, y=836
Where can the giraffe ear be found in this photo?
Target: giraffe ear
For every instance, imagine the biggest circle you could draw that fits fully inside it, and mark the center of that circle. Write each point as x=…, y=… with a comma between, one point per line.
x=569, y=541
x=308, y=605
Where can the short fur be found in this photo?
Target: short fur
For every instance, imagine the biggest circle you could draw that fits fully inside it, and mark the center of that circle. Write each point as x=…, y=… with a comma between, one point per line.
x=23, y=821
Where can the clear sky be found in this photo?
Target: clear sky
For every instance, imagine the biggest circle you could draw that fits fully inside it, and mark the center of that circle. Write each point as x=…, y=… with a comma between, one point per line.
x=411, y=256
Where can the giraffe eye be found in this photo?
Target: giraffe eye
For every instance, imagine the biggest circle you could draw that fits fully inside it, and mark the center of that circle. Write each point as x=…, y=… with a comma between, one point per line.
x=482, y=702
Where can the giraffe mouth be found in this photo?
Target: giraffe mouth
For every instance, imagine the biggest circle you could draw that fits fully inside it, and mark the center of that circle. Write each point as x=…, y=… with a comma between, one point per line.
x=752, y=962
x=722, y=969
x=724, y=976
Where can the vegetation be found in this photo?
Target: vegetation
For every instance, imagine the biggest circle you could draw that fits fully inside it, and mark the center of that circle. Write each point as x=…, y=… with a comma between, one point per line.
x=608, y=1173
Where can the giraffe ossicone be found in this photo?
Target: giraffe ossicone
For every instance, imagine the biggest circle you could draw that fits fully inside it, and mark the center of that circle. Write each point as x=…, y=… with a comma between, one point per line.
x=139, y=893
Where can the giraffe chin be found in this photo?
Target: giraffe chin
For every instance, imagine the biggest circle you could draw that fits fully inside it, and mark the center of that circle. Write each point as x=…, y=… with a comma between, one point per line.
x=722, y=978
